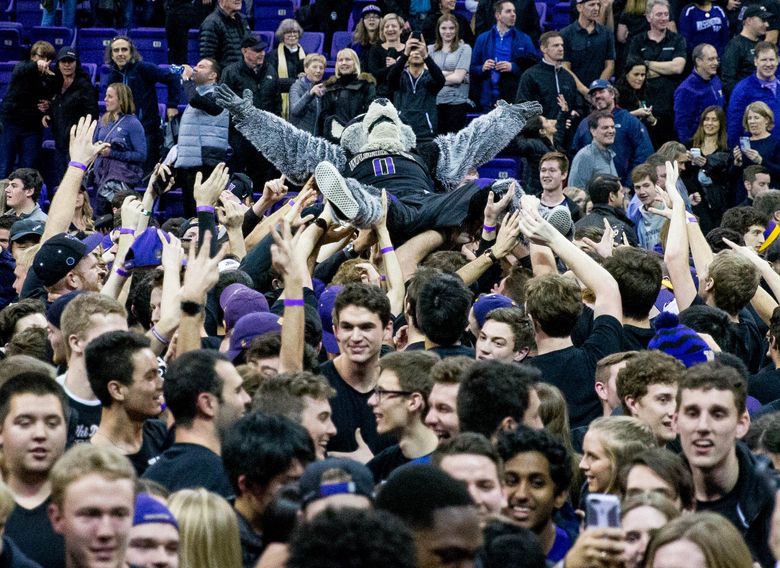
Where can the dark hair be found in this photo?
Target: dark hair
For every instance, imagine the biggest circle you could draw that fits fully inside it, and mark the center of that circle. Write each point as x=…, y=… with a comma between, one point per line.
x=413, y=287
x=715, y=322
x=443, y=309
x=525, y=439
x=449, y=261
x=600, y=186
x=282, y=514
x=493, y=391
x=715, y=238
x=469, y=443
x=355, y=538
x=189, y=375
x=767, y=203
x=134, y=54
x=33, y=341
x=415, y=492
x=751, y=172
x=594, y=118
x=509, y=545
x=715, y=375
x=38, y=384
x=413, y=370
x=214, y=66
x=109, y=357
x=547, y=36
x=638, y=274
x=30, y=178
x=266, y=346
x=7, y=221
x=630, y=98
x=363, y=296
x=141, y=297
x=742, y=218
x=668, y=466
x=10, y=315
x=283, y=395
x=520, y=324
x=261, y=447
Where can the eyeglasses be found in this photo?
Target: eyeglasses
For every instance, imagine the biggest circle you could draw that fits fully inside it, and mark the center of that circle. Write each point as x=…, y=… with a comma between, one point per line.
x=379, y=393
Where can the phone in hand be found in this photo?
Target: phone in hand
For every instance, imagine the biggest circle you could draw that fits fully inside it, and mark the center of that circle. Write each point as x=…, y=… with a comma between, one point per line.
x=696, y=152
x=744, y=143
x=416, y=35
x=602, y=511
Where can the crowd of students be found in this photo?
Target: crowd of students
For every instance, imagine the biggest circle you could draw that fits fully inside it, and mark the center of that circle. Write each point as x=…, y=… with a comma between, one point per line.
x=378, y=358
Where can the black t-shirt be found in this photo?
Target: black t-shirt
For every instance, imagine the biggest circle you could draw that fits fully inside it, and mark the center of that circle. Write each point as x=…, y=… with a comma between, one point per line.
x=660, y=90
x=573, y=369
x=636, y=338
x=87, y=413
x=13, y=557
x=351, y=411
x=32, y=532
x=185, y=466
x=155, y=441
x=765, y=385
x=454, y=351
x=390, y=459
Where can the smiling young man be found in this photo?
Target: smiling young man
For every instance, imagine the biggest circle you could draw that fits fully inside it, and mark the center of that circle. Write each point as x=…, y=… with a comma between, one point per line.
x=711, y=417
x=598, y=156
x=442, y=415
x=537, y=475
x=399, y=403
x=506, y=336
x=33, y=411
x=646, y=195
x=647, y=389
x=22, y=193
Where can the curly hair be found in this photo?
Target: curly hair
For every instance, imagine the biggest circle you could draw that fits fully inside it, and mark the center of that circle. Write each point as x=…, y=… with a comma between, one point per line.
x=644, y=369
x=524, y=440
x=742, y=218
x=363, y=296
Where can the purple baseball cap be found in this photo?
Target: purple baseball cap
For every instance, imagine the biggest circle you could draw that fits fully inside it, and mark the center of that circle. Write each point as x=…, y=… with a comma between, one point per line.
x=325, y=308
x=487, y=303
x=238, y=300
x=251, y=326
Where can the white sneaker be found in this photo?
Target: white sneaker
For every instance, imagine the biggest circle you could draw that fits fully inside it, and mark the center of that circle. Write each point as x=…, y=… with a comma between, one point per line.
x=333, y=186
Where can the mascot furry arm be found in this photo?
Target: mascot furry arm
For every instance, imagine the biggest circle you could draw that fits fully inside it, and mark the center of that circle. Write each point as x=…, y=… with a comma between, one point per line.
x=294, y=152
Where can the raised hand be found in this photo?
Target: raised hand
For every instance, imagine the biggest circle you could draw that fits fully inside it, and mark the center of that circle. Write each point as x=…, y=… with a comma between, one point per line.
x=172, y=252
x=507, y=235
x=81, y=147
x=132, y=212
x=604, y=247
x=202, y=271
x=230, y=214
x=207, y=192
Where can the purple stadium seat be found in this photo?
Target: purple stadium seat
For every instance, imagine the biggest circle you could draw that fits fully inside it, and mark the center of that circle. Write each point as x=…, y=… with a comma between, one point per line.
x=541, y=8
x=269, y=13
x=267, y=36
x=151, y=43
x=499, y=168
x=6, y=69
x=10, y=44
x=29, y=13
x=193, y=46
x=312, y=42
x=57, y=36
x=91, y=43
x=339, y=42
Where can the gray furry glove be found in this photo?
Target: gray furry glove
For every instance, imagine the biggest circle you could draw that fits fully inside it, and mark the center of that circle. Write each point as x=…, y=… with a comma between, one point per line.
x=237, y=106
x=521, y=111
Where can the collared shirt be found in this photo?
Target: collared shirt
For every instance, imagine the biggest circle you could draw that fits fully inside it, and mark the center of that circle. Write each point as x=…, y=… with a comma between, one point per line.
x=587, y=51
x=36, y=214
x=660, y=89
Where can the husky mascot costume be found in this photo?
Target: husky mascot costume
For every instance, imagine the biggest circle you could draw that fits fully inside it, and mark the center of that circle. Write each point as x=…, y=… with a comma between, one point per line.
x=423, y=182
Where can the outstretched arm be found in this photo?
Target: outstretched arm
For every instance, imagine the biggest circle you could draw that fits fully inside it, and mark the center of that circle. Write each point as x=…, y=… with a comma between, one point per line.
x=294, y=152
x=481, y=140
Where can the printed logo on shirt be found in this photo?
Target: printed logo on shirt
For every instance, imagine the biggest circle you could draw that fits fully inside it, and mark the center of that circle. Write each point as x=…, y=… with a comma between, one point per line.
x=713, y=23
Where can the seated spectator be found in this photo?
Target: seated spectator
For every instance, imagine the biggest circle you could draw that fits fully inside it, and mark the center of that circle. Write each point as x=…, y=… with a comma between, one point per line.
x=306, y=94
x=208, y=529
x=31, y=87
x=222, y=32
x=763, y=148
x=154, y=538
x=500, y=56
x=120, y=166
x=548, y=81
x=751, y=89
x=640, y=518
x=22, y=194
x=442, y=416
x=384, y=53
x=704, y=22
x=608, y=197
x=73, y=96
x=287, y=59
x=452, y=54
x=738, y=61
x=702, y=89
x=415, y=81
x=366, y=32
x=347, y=94
x=598, y=156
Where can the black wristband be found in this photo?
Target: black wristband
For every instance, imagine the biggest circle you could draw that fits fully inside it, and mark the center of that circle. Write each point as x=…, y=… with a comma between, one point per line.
x=491, y=255
x=321, y=223
x=191, y=308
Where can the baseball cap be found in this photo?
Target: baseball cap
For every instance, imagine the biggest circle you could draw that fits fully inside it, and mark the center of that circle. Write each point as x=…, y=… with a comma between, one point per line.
x=150, y=510
x=146, y=250
x=238, y=300
x=313, y=485
x=486, y=303
x=370, y=9
x=240, y=185
x=254, y=43
x=67, y=52
x=251, y=326
x=26, y=227
x=325, y=308
x=599, y=84
x=756, y=11
x=54, y=312
x=56, y=257
x=92, y=241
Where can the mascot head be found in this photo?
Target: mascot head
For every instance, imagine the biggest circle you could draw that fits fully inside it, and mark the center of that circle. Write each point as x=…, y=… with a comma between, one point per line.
x=379, y=129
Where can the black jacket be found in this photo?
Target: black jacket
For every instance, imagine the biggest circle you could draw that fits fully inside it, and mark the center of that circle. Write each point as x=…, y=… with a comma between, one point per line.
x=66, y=108
x=28, y=86
x=527, y=18
x=345, y=98
x=415, y=99
x=262, y=82
x=620, y=223
x=13, y=557
x=221, y=36
x=543, y=83
x=294, y=67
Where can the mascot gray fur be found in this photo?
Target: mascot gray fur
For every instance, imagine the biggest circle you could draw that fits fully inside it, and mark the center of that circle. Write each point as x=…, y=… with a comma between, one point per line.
x=350, y=185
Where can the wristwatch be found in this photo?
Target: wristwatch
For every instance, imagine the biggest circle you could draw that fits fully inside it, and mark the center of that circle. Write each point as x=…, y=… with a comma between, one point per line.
x=349, y=250
x=491, y=255
x=191, y=308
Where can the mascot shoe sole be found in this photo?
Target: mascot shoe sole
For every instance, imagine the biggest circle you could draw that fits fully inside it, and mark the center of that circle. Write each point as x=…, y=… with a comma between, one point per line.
x=334, y=188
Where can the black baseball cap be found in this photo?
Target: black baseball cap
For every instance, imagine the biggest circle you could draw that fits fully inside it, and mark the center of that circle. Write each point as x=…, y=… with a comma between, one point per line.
x=26, y=227
x=58, y=256
x=254, y=43
x=67, y=52
x=314, y=487
x=756, y=11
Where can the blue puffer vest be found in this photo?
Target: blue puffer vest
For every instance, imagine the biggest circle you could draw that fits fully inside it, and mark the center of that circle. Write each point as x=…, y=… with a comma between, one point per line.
x=203, y=138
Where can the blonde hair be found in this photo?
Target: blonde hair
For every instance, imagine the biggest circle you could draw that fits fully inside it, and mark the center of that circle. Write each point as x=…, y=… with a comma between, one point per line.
x=85, y=459
x=714, y=535
x=208, y=530
x=385, y=19
x=86, y=213
x=26, y=257
x=311, y=58
x=76, y=316
x=355, y=59
x=761, y=109
x=126, y=103
x=622, y=438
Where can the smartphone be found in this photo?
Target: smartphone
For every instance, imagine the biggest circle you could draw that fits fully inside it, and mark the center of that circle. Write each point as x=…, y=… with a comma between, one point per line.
x=744, y=143
x=602, y=511
x=696, y=152
x=416, y=35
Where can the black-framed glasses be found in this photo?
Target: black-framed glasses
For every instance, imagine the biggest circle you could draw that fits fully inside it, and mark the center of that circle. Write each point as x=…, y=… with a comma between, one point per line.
x=379, y=393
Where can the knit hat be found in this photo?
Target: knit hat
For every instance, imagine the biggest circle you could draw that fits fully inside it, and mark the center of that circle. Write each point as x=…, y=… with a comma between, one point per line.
x=679, y=341
x=150, y=510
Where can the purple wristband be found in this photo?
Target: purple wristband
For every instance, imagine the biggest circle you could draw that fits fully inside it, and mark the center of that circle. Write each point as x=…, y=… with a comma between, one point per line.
x=79, y=165
x=126, y=231
x=291, y=203
x=294, y=303
x=122, y=272
x=387, y=250
x=158, y=336
x=205, y=209
x=382, y=277
x=488, y=228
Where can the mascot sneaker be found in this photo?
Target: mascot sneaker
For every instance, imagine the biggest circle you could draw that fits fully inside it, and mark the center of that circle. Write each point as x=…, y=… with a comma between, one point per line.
x=334, y=187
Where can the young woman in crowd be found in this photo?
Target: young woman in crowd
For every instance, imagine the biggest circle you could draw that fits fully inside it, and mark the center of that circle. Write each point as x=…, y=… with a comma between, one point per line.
x=710, y=161
x=384, y=55
x=306, y=94
x=208, y=530
x=704, y=540
x=631, y=89
x=83, y=221
x=640, y=517
x=453, y=56
x=366, y=33
x=608, y=445
x=287, y=59
x=347, y=94
x=764, y=149
x=74, y=95
x=447, y=8
x=120, y=166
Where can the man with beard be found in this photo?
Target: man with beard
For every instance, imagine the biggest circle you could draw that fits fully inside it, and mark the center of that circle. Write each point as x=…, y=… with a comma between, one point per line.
x=598, y=156
x=205, y=395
